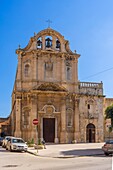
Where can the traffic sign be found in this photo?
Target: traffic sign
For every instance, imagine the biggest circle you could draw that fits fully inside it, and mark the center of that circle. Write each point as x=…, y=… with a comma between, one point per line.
x=35, y=121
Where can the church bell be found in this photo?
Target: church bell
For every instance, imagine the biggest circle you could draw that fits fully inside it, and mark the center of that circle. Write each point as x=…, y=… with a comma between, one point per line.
x=39, y=43
x=57, y=44
x=48, y=42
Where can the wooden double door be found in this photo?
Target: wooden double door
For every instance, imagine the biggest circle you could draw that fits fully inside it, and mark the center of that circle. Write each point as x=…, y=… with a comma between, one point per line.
x=49, y=129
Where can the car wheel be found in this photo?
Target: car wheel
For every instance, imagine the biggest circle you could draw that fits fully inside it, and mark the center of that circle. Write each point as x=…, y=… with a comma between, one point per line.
x=106, y=153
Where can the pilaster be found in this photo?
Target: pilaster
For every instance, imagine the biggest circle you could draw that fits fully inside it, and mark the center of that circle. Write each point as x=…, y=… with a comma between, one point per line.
x=19, y=72
x=63, y=68
x=76, y=121
x=34, y=128
x=40, y=68
x=75, y=70
x=43, y=42
x=19, y=75
x=54, y=42
x=17, y=132
x=56, y=135
x=63, y=123
x=34, y=66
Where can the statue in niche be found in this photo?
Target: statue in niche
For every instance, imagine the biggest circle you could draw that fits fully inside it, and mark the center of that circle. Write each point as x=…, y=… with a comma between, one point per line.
x=49, y=69
x=49, y=66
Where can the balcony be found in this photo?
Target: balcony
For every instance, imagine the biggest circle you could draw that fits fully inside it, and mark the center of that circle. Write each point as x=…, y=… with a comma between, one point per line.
x=89, y=88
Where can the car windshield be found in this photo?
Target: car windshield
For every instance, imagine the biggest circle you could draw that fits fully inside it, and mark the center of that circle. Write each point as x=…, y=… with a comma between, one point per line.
x=109, y=142
x=17, y=141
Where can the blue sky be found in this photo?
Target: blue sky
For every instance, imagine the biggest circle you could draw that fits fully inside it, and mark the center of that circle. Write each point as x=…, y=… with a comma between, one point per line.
x=87, y=24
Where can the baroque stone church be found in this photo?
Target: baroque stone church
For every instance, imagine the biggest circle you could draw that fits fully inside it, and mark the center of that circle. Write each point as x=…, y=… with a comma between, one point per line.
x=47, y=88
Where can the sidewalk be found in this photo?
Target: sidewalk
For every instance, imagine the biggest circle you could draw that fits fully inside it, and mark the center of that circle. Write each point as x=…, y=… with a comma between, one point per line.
x=68, y=150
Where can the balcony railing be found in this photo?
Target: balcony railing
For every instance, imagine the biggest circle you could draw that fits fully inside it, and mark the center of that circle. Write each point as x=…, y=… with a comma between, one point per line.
x=90, y=88
x=90, y=84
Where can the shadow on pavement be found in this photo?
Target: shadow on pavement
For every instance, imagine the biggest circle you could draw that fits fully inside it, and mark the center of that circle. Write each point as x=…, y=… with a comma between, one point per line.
x=83, y=152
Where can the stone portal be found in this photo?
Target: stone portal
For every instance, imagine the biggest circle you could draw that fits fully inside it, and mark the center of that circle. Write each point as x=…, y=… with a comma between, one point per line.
x=49, y=129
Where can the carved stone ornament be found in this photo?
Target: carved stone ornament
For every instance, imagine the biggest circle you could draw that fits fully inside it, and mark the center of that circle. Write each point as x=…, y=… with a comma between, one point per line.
x=50, y=87
x=49, y=110
x=68, y=63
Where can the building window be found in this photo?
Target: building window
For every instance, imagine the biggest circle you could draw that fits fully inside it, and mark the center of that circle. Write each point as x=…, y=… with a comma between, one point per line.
x=88, y=106
x=27, y=70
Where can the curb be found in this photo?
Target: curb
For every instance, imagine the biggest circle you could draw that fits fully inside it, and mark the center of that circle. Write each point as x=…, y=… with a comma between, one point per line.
x=33, y=153
x=64, y=156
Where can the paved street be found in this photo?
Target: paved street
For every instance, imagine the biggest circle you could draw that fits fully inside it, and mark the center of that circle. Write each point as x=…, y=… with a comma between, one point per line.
x=23, y=161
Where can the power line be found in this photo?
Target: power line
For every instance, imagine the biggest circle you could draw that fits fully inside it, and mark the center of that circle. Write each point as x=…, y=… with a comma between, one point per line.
x=98, y=73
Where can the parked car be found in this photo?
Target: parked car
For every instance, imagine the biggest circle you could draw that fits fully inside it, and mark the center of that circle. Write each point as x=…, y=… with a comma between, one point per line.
x=108, y=147
x=16, y=144
x=5, y=140
x=1, y=140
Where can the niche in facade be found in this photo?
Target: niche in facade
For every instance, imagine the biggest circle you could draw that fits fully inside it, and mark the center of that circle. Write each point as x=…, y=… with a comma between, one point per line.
x=58, y=44
x=27, y=70
x=48, y=41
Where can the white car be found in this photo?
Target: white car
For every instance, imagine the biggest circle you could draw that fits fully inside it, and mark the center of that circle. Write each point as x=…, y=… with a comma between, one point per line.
x=4, y=143
x=16, y=144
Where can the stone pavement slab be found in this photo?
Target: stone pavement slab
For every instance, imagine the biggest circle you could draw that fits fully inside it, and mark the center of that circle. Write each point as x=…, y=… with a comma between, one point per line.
x=68, y=150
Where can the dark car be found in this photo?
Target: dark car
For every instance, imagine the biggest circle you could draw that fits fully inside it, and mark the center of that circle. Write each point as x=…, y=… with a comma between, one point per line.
x=1, y=140
x=108, y=147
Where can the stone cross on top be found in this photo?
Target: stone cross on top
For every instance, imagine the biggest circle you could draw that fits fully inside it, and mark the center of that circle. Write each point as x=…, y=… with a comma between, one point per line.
x=49, y=22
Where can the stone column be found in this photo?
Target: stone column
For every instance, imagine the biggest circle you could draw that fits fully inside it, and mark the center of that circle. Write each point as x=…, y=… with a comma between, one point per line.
x=63, y=123
x=56, y=135
x=76, y=122
x=57, y=69
x=34, y=66
x=19, y=73
x=54, y=42
x=17, y=132
x=33, y=115
x=63, y=69
x=41, y=129
x=76, y=70
x=41, y=68
x=43, y=42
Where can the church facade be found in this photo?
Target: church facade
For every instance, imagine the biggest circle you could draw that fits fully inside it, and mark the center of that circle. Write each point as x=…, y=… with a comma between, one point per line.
x=47, y=88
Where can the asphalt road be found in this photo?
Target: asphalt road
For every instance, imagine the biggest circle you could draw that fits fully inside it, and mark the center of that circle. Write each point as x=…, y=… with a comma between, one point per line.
x=26, y=161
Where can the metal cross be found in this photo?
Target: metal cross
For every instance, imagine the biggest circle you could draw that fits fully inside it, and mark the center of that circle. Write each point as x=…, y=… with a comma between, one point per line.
x=49, y=22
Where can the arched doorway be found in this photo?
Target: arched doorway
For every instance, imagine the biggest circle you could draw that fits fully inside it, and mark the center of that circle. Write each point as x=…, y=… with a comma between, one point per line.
x=90, y=133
